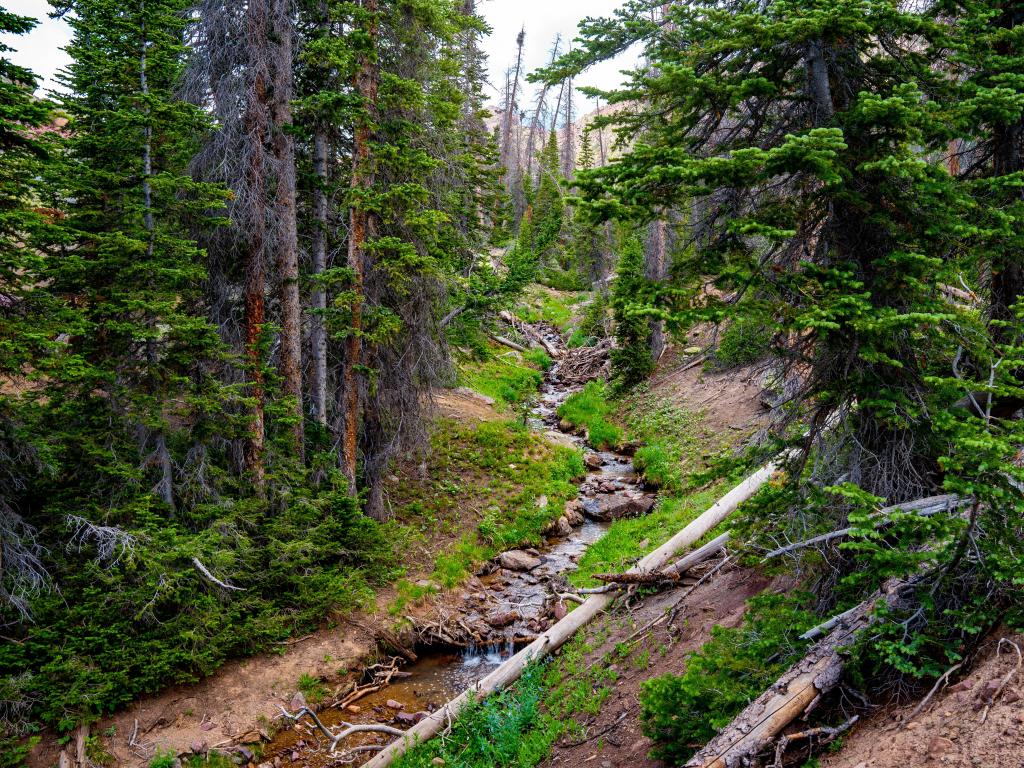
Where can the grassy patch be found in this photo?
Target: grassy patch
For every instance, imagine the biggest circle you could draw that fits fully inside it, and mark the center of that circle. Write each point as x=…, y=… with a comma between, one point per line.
x=542, y=304
x=312, y=689
x=590, y=408
x=503, y=377
x=671, y=438
x=486, y=487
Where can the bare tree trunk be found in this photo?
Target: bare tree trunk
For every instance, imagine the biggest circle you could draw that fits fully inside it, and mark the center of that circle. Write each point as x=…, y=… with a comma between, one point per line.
x=655, y=265
x=362, y=180
x=317, y=332
x=568, y=145
x=510, y=105
x=255, y=301
x=531, y=140
x=287, y=236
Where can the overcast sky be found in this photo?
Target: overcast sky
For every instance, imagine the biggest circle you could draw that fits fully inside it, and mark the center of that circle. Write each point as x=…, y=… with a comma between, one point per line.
x=41, y=51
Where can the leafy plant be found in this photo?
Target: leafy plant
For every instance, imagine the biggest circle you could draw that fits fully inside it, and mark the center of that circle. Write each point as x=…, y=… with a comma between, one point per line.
x=590, y=408
x=730, y=670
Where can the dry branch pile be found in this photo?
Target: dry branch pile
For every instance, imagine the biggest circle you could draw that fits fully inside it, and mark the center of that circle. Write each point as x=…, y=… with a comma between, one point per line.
x=583, y=364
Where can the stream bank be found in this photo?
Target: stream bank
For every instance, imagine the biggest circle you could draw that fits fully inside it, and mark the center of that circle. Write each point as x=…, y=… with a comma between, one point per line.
x=505, y=605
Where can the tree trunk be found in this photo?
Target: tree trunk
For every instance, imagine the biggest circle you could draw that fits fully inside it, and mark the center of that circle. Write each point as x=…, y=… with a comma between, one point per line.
x=255, y=302
x=287, y=235
x=510, y=105
x=317, y=332
x=362, y=181
x=655, y=266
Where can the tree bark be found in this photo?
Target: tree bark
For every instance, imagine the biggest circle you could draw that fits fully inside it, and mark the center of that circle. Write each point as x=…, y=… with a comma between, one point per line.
x=318, y=300
x=287, y=235
x=655, y=267
x=255, y=301
x=366, y=85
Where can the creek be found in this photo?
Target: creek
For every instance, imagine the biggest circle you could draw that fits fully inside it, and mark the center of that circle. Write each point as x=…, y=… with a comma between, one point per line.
x=500, y=610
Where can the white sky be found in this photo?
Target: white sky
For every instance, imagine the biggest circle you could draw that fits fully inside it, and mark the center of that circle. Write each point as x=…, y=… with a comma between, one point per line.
x=41, y=51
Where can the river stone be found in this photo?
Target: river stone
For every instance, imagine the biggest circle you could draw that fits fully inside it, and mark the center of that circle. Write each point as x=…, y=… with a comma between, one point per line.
x=409, y=718
x=593, y=461
x=560, y=438
x=612, y=507
x=574, y=516
x=562, y=527
x=501, y=620
x=516, y=560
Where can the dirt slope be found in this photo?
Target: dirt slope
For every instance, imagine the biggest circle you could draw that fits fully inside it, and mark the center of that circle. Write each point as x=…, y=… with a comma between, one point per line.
x=949, y=733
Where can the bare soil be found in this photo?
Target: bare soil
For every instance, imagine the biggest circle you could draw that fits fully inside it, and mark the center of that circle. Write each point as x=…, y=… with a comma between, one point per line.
x=949, y=732
x=728, y=400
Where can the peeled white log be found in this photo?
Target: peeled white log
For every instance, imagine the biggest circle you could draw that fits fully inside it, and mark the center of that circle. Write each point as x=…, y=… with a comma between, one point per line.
x=560, y=632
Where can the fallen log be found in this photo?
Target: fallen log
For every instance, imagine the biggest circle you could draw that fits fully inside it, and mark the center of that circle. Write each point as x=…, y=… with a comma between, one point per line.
x=673, y=572
x=927, y=507
x=528, y=330
x=757, y=726
x=508, y=343
x=559, y=633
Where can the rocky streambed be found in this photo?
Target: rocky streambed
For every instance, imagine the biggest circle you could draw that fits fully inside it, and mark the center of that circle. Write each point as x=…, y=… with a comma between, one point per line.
x=505, y=605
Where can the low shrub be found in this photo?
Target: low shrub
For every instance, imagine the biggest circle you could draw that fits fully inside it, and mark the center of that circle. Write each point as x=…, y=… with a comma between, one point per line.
x=680, y=712
x=746, y=340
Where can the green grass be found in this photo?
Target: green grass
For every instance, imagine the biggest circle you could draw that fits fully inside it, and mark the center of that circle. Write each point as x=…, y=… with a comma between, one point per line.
x=312, y=689
x=543, y=305
x=671, y=437
x=517, y=727
x=504, y=378
x=590, y=408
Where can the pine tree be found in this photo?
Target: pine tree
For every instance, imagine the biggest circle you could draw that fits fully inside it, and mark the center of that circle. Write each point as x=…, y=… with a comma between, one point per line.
x=631, y=359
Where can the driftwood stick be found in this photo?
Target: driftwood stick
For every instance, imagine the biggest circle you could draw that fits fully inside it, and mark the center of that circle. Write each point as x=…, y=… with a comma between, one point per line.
x=347, y=730
x=1006, y=678
x=213, y=579
x=828, y=734
x=943, y=678
x=559, y=633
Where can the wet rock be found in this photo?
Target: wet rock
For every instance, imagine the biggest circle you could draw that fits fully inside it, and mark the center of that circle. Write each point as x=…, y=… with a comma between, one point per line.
x=560, y=438
x=244, y=753
x=566, y=426
x=410, y=718
x=392, y=704
x=575, y=517
x=560, y=527
x=298, y=702
x=517, y=560
x=502, y=620
x=593, y=461
x=533, y=552
x=645, y=504
x=613, y=507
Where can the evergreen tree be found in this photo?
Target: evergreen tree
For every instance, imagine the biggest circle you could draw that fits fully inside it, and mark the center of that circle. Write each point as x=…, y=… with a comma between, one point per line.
x=631, y=359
